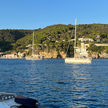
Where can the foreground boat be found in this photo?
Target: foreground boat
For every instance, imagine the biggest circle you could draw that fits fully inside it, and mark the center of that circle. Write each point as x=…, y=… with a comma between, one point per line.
x=9, y=100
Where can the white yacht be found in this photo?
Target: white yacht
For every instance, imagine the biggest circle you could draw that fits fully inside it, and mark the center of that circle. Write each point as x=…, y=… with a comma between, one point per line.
x=10, y=100
x=77, y=59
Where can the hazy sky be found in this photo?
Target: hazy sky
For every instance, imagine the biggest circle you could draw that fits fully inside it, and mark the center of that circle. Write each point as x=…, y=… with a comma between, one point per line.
x=32, y=14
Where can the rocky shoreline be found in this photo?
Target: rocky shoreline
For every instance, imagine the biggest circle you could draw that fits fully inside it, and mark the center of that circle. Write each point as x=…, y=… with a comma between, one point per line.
x=54, y=54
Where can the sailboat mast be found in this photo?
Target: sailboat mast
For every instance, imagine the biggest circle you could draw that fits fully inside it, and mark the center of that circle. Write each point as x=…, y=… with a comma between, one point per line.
x=75, y=37
x=33, y=45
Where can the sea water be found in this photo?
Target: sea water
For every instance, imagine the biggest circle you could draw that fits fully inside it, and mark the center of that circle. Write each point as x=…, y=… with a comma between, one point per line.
x=56, y=84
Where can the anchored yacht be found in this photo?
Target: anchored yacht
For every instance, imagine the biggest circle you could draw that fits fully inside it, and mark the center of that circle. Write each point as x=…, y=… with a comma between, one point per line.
x=77, y=59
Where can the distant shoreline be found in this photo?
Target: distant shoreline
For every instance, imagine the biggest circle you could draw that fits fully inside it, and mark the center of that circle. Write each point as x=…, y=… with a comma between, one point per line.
x=49, y=58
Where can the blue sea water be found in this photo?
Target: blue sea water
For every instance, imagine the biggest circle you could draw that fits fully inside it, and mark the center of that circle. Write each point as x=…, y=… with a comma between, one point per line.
x=56, y=84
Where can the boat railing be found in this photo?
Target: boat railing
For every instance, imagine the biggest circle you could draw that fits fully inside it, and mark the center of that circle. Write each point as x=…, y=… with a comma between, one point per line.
x=6, y=96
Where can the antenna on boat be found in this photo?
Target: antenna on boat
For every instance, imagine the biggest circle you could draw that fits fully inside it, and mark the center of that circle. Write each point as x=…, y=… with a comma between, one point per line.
x=75, y=37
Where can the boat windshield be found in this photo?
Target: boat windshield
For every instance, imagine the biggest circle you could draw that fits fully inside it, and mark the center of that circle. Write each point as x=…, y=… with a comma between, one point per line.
x=5, y=96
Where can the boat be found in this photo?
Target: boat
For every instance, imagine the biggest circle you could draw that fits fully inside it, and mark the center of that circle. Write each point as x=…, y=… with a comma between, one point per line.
x=78, y=58
x=10, y=100
x=34, y=56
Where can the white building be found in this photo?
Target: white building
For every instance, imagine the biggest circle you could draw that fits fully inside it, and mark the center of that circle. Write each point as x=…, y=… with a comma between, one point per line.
x=85, y=39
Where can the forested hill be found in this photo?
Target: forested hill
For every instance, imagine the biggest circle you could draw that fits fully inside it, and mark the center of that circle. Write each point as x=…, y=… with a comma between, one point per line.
x=54, y=36
x=58, y=36
x=9, y=36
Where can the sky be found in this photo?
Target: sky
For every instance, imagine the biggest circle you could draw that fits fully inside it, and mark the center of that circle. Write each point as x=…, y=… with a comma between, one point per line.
x=34, y=14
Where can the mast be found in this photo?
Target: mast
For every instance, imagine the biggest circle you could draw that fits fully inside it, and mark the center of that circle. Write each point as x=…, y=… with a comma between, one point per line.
x=33, y=45
x=75, y=37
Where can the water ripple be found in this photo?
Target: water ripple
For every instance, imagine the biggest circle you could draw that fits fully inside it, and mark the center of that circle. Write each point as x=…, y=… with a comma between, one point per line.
x=56, y=84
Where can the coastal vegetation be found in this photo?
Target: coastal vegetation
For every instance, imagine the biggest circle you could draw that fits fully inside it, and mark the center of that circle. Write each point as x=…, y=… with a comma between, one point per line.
x=10, y=36
x=55, y=37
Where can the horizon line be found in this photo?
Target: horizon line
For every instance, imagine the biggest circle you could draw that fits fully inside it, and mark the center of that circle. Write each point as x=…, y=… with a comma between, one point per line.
x=47, y=26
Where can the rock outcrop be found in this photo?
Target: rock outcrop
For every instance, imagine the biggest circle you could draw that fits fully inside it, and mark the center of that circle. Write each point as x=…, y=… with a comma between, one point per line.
x=53, y=54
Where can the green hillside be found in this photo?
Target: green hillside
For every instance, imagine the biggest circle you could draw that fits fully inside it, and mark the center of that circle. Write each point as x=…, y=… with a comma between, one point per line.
x=7, y=37
x=58, y=36
x=53, y=37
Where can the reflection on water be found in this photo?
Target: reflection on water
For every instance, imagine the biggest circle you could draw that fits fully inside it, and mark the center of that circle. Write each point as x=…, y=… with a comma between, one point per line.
x=56, y=84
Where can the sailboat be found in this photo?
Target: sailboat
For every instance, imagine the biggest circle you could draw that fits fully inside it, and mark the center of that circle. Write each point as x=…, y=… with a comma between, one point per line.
x=34, y=56
x=76, y=59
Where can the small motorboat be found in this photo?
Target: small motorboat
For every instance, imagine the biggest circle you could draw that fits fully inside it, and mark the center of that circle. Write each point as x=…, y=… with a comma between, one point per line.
x=10, y=100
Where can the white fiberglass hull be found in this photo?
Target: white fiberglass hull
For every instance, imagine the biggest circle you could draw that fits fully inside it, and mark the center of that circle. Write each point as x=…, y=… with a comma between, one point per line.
x=78, y=60
x=34, y=58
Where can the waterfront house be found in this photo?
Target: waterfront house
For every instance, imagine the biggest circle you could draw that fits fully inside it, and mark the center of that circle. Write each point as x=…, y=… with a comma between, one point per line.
x=13, y=55
x=85, y=39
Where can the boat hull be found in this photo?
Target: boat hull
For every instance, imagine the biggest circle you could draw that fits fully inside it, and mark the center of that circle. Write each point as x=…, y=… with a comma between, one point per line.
x=34, y=58
x=78, y=60
x=10, y=100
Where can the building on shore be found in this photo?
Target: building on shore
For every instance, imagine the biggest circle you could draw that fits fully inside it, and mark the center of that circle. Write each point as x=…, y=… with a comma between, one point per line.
x=13, y=55
x=85, y=39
